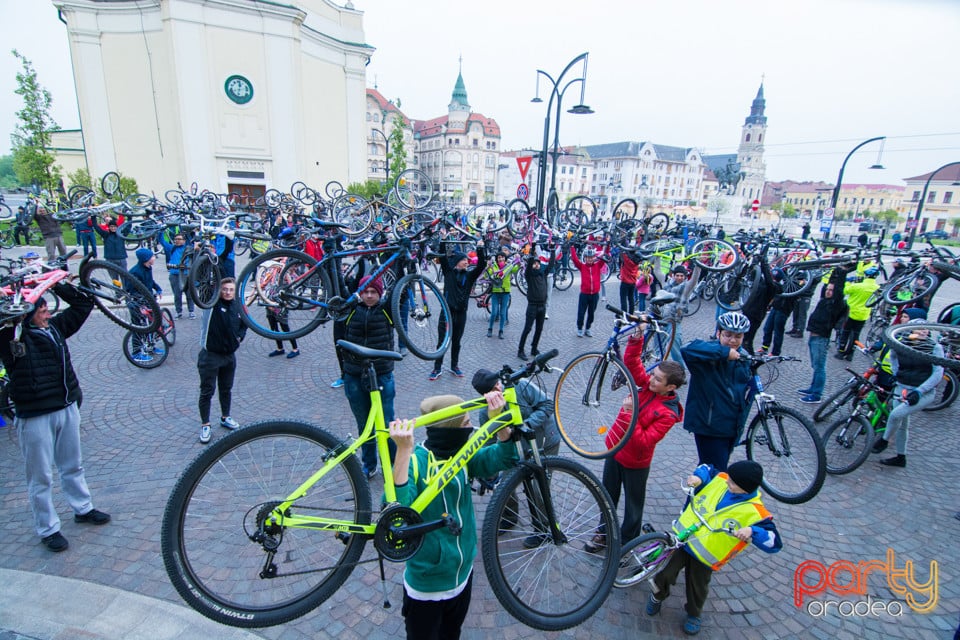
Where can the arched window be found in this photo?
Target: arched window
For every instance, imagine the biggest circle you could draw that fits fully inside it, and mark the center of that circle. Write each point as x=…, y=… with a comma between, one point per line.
x=747, y=139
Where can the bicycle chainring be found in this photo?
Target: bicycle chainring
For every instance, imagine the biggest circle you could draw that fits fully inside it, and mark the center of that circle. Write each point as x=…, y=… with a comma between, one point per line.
x=390, y=546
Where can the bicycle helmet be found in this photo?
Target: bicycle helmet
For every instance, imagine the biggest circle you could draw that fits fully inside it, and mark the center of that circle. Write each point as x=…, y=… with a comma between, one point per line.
x=871, y=272
x=733, y=321
x=31, y=255
x=589, y=252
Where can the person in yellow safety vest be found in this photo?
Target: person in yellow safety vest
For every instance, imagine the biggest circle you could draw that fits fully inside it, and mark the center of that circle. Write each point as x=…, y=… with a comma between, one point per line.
x=723, y=499
x=857, y=295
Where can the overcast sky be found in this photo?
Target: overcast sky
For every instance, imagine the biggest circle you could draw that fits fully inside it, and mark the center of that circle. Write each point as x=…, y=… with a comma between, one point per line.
x=676, y=72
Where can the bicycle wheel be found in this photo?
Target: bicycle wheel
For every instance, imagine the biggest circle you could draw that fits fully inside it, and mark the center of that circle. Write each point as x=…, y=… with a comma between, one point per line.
x=7, y=409
x=693, y=305
x=204, y=283
x=915, y=341
x=946, y=392
x=791, y=453
x=411, y=224
x=847, y=443
x=520, y=222
x=488, y=217
x=354, y=212
x=949, y=313
x=587, y=400
x=910, y=288
x=796, y=282
x=110, y=183
x=875, y=332
x=53, y=300
x=657, y=224
x=120, y=296
x=285, y=285
x=562, y=279
x=657, y=345
x=580, y=210
x=7, y=240
x=642, y=558
x=413, y=189
x=224, y=497
x=167, y=328
x=836, y=400
x=421, y=316
x=550, y=586
x=714, y=255
x=625, y=210
x=145, y=350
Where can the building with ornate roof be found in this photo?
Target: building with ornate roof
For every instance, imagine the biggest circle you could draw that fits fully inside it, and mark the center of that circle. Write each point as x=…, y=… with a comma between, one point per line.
x=749, y=156
x=459, y=151
x=856, y=201
x=941, y=207
x=383, y=116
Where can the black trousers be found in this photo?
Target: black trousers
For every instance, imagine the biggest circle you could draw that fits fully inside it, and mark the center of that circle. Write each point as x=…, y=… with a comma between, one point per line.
x=634, y=485
x=216, y=372
x=715, y=451
x=850, y=334
x=276, y=324
x=458, y=320
x=587, y=304
x=696, y=574
x=800, y=310
x=628, y=293
x=536, y=312
x=436, y=619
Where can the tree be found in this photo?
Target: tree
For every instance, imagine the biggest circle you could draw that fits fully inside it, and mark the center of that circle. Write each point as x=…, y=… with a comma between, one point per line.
x=398, y=152
x=33, y=161
x=367, y=190
x=890, y=217
x=8, y=177
x=81, y=178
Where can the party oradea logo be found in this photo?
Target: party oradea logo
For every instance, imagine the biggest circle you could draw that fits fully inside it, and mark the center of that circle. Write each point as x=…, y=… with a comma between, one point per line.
x=850, y=581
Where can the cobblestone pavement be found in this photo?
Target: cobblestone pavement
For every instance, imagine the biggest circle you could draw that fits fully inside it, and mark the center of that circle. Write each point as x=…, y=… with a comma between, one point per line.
x=140, y=428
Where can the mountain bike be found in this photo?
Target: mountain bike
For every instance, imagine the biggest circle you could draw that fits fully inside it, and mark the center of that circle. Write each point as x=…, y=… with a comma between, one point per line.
x=847, y=441
x=269, y=521
x=149, y=350
x=645, y=556
x=592, y=386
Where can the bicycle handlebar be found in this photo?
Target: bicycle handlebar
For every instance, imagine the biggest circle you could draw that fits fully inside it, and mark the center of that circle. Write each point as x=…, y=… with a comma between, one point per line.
x=509, y=376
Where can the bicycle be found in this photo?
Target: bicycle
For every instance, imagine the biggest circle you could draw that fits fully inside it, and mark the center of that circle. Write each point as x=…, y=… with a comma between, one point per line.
x=847, y=441
x=645, y=556
x=148, y=350
x=269, y=521
x=591, y=388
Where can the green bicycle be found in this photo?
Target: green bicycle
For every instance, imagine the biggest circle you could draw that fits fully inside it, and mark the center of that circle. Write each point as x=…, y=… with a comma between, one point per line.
x=269, y=521
x=847, y=441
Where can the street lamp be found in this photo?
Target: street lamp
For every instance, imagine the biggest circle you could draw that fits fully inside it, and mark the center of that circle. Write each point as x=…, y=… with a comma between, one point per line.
x=836, y=188
x=579, y=109
x=923, y=196
x=386, y=144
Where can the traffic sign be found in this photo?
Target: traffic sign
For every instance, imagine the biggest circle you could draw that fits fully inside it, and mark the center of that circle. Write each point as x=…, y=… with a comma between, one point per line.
x=523, y=191
x=524, y=164
x=755, y=206
x=826, y=224
x=828, y=213
x=911, y=224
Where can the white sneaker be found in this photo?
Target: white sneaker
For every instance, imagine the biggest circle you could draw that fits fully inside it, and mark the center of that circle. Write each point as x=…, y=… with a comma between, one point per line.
x=204, y=433
x=193, y=316
x=579, y=333
x=229, y=423
x=587, y=333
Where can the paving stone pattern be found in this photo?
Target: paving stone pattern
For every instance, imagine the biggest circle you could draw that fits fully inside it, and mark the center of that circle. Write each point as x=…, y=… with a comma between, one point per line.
x=140, y=428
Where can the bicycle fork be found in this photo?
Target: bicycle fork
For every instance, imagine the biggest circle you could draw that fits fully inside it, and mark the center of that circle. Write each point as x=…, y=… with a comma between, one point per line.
x=536, y=484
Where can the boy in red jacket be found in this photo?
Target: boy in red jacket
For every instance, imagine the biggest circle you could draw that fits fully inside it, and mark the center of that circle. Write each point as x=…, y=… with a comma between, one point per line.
x=629, y=468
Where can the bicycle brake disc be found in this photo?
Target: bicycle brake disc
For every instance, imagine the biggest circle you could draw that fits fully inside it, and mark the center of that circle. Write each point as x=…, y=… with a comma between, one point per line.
x=390, y=546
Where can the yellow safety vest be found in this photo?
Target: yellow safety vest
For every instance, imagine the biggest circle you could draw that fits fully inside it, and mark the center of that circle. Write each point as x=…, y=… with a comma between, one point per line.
x=716, y=549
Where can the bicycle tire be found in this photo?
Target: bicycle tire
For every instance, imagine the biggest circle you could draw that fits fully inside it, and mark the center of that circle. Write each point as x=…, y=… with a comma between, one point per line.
x=409, y=225
x=110, y=183
x=847, y=443
x=71, y=215
x=7, y=240
x=145, y=350
x=563, y=279
x=520, y=223
x=875, y=332
x=167, y=327
x=585, y=404
x=550, y=587
x=656, y=351
x=945, y=392
x=948, y=312
x=657, y=223
x=694, y=302
x=580, y=210
x=137, y=232
x=413, y=189
x=951, y=270
x=52, y=299
x=208, y=555
x=713, y=254
x=258, y=297
x=626, y=209
x=488, y=217
x=709, y=290
x=6, y=213
x=642, y=558
x=421, y=316
x=800, y=464
x=796, y=281
x=836, y=400
x=7, y=408
x=203, y=287
x=944, y=333
x=120, y=296
x=354, y=212
x=910, y=288
x=80, y=196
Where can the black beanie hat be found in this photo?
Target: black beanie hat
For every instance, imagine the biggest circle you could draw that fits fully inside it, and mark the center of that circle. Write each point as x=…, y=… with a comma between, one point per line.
x=457, y=257
x=747, y=474
x=484, y=380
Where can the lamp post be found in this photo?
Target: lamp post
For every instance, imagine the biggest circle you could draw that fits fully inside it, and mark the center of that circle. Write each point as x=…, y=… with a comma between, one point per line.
x=836, y=189
x=557, y=93
x=923, y=197
x=386, y=144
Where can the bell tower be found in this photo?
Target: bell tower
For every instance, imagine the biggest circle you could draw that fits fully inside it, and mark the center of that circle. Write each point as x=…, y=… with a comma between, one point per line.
x=750, y=151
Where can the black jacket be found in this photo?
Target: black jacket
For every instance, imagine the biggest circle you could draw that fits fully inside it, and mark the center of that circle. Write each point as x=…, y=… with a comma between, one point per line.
x=829, y=311
x=370, y=327
x=537, y=283
x=223, y=328
x=43, y=380
x=457, y=284
x=762, y=294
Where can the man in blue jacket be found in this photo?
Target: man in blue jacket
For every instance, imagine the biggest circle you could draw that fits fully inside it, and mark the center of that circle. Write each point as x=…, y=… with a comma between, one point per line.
x=177, y=269
x=720, y=395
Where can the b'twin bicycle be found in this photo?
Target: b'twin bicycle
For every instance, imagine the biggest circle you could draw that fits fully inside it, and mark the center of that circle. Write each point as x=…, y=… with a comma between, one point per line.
x=269, y=521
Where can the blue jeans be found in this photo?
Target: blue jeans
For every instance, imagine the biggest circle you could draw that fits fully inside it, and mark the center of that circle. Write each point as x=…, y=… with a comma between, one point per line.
x=773, y=330
x=499, y=302
x=675, y=354
x=358, y=395
x=89, y=241
x=818, y=361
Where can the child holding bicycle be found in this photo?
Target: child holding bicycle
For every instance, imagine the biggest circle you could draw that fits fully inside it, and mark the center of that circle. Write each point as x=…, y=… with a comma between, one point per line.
x=659, y=410
x=722, y=499
x=438, y=579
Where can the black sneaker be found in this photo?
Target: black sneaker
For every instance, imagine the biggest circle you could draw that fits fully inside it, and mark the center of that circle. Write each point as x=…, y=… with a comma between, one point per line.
x=880, y=445
x=521, y=355
x=56, y=542
x=896, y=461
x=92, y=517
x=647, y=527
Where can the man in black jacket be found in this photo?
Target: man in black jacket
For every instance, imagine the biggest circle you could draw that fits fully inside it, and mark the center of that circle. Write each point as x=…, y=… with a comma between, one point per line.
x=221, y=332
x=457, y=283
x=46, y=392
x=829, y=310
x=538, y=288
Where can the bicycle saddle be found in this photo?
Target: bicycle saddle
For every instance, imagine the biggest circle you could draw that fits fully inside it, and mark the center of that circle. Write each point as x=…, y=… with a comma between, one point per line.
x=368, y=354
x=663, y=297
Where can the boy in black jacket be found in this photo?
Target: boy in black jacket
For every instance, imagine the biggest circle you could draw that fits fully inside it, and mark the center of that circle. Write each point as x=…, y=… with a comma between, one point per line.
x=457, y=283
x=829, y=310
x=221, y=332
x=538, y=288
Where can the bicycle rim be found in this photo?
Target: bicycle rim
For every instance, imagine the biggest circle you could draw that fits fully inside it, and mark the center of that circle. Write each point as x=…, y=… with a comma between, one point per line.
x=945, y=392
x=550, y=586
x=120, y=296
x=421, y=317
x=204, y=285
x=657, y=345
x=222, y=497
x=791, y=453
x=846, y=444
x=167, y=328
x=279, y=284
x=642, y=558
x=144, y=350
x=586, y=405
x=835, y=401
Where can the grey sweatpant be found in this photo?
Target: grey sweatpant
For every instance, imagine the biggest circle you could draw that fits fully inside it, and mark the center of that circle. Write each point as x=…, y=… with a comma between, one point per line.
x=50, y=439
x=898, y=422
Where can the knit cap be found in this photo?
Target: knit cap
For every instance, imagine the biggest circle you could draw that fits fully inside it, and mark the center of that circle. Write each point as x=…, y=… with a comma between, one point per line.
x=747, y=474
x=144, y=254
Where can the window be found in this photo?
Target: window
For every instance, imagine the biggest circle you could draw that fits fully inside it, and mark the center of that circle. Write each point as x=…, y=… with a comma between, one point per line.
x=747, y=139
x=931, y=197
x=376, y=117
x=476, y=142
x=369, y=117
x=916, y=196
x=947, y=197
x=759, y=137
